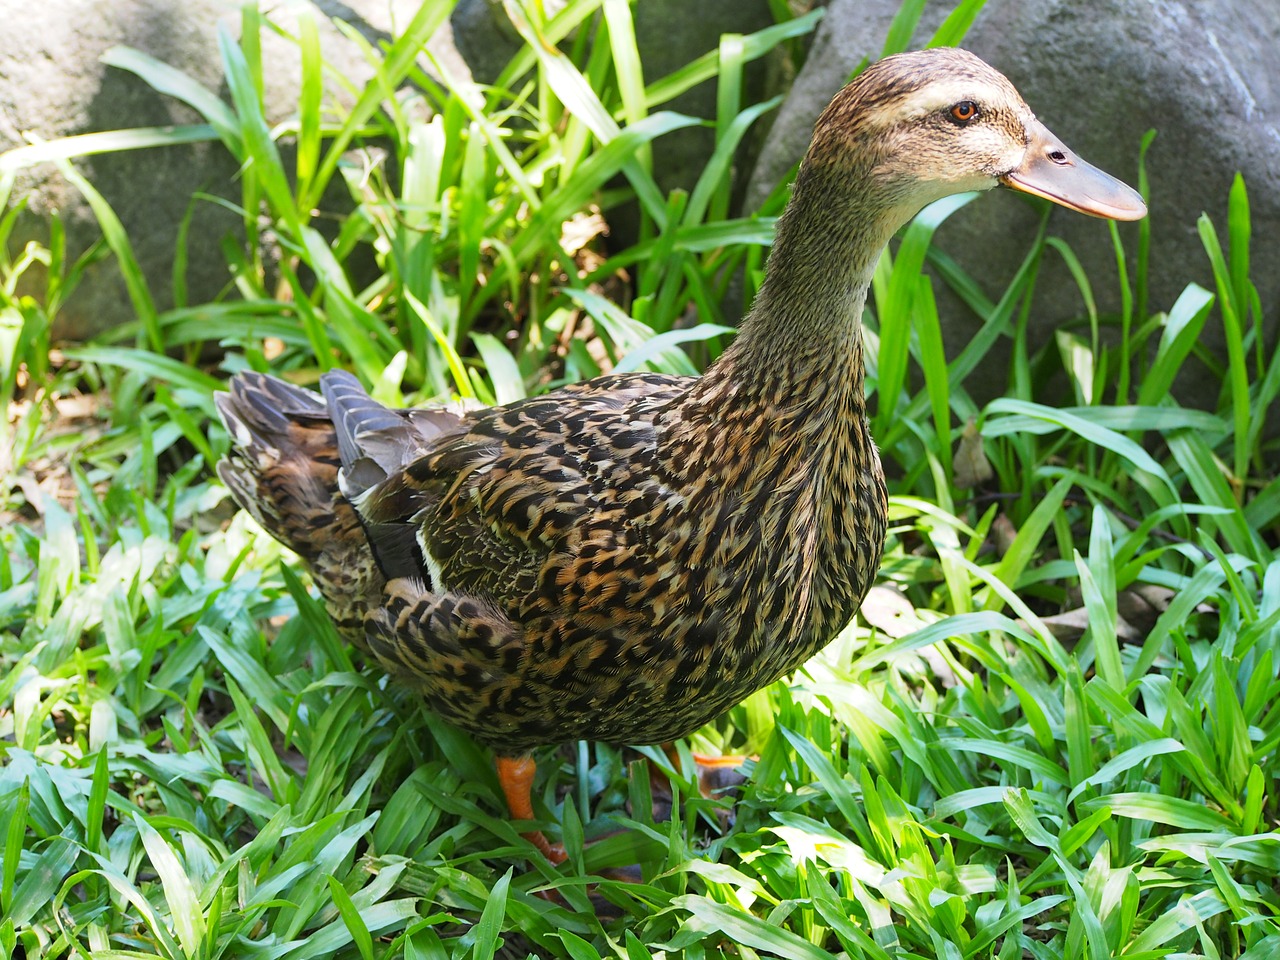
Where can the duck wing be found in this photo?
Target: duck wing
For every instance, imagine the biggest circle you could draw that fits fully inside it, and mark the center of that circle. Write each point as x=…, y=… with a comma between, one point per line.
x=484, y=509
x=519, y=557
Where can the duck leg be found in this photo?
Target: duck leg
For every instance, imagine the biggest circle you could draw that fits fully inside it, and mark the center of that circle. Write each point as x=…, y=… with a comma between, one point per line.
x=718, y=774
x=717, y=778
x=467, y=653
x=715, y=774
x=515, y=774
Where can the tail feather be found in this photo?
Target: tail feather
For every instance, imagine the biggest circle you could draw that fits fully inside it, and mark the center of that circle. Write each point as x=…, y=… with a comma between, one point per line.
x=283, y=466
x=374, y=441
x=283, y=470
x=298, y=462
x=259, y=407
x=376, y=444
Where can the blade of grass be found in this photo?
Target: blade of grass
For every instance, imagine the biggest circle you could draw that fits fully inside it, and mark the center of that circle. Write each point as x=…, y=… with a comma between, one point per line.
x=1237, y=383
x=184, y=906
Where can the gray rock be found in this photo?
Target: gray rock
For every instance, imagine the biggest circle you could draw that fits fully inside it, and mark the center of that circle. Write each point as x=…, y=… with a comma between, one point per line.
x=485, y=36
x=53, y=83
x=1204, y=74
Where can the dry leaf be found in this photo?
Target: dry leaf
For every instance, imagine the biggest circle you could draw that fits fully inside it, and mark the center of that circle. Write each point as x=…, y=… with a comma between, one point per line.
x=972, y=468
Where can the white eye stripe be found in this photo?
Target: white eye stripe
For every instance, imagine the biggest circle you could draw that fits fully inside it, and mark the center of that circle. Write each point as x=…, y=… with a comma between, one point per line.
x=935, y=97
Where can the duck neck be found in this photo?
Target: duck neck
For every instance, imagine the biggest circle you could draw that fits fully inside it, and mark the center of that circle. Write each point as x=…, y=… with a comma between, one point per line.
x=800, y=348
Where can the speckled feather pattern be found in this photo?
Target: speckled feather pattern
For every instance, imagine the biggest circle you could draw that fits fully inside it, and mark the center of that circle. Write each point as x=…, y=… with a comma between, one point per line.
x=622, y=559
x=611, y=566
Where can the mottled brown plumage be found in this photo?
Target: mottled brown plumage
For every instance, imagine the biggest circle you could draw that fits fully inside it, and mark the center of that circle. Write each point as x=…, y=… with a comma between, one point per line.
x=624, y=559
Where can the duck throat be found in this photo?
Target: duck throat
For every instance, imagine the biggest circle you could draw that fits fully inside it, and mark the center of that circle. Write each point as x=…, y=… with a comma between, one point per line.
x=771, y=446
x=801, y=345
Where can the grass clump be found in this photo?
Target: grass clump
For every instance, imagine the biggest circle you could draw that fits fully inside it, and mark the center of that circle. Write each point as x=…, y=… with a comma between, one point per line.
x=1051, y=733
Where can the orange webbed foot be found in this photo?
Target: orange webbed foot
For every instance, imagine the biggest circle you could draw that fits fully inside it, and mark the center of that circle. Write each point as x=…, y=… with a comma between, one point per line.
x=515, y=775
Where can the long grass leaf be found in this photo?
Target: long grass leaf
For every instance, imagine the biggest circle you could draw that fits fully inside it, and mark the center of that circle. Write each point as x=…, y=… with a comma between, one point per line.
x=396, y=65
x=176, y=83
x=486, y=945
x=1237, y=383
x=107, y=141
x=902, y=27
x=118, y=240
x=717, y=171
x=704, y=68
x=310, y=93
x=184, y=906
x=1098, y=435
x=1206, y=477
x=953, y=29
x=895, y=309
x=15, y=813
x=351, y=918
x=148, y=364
x=1098, y=586
x=745, y=928
x=626, y=60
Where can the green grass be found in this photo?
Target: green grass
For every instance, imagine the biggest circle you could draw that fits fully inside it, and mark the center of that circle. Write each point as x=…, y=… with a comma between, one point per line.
x=1052, y=732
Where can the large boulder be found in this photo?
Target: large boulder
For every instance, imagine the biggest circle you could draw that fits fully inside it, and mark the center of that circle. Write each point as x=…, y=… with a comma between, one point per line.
x=53, y=84
x=1205, y=75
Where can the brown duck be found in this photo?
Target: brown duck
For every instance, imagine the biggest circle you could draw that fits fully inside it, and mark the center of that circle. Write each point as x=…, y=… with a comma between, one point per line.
x=626, y=558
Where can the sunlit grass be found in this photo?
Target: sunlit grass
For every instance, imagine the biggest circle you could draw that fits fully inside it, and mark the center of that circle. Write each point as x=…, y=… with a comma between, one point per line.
x=1051, y=733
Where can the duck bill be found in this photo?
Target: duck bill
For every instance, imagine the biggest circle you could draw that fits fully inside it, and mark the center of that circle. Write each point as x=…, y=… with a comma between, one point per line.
x=1050, y=170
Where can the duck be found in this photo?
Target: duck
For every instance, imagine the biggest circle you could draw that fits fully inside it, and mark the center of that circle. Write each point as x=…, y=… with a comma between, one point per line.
x=624, y=559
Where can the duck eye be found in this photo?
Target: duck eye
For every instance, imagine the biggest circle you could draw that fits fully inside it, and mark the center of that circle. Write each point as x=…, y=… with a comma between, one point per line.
x=963, y=112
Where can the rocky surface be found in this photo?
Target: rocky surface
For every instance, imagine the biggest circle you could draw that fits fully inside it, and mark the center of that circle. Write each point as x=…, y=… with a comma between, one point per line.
x=53, y=84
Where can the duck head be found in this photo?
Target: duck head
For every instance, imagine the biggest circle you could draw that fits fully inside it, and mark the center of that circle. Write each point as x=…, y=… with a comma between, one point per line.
x=920, y=126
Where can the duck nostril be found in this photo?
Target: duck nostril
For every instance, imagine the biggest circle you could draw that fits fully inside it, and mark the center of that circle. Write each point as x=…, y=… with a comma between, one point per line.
x=1057, y=156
